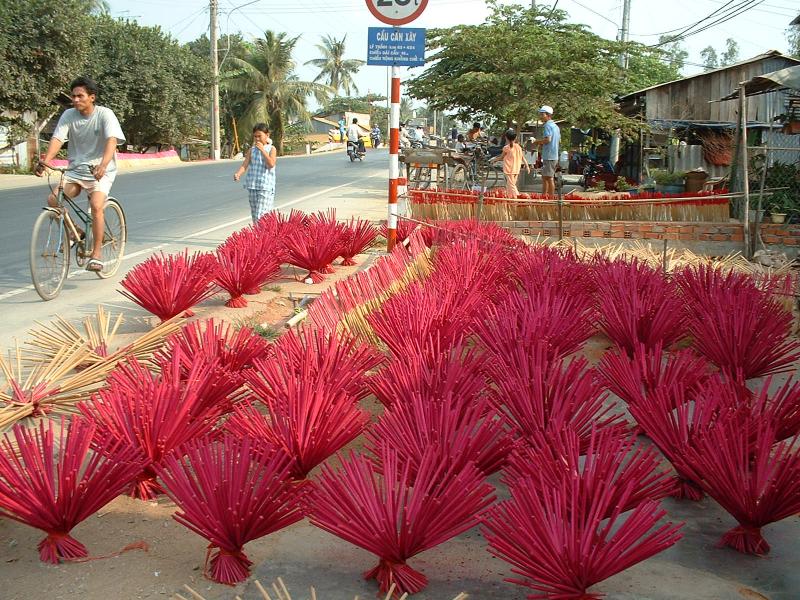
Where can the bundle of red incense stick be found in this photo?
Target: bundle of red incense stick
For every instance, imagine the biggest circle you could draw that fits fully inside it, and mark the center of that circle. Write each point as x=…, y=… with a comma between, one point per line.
x=170, y=284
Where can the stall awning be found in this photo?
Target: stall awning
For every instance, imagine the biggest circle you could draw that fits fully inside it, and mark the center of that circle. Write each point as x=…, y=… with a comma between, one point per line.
x=788, y=78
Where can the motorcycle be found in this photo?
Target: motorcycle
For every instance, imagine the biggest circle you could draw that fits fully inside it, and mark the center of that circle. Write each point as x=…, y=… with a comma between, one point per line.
x=375, y=139
x=356, y=150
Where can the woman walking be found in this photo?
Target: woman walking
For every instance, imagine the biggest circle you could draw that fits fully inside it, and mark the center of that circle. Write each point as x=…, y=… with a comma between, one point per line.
x=513, y=158
x=259, y=164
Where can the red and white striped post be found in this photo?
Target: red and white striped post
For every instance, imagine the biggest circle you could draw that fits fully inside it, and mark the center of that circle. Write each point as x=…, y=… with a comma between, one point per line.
x=394, y=159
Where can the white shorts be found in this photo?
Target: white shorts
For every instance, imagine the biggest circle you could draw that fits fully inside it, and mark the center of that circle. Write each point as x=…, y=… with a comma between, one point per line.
x=92, y=185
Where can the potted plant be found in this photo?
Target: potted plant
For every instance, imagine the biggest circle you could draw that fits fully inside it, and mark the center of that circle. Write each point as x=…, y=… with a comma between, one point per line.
x=669, y=182
x=776, y=216
x=622, y=184
x=780, y=206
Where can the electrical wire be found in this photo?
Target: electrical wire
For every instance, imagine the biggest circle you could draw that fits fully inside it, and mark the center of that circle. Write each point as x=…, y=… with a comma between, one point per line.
x=732, y=13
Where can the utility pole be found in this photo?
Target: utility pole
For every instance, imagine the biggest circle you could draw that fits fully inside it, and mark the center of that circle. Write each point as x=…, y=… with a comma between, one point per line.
x=625, y=32
x=215, y=143
x=623, y=63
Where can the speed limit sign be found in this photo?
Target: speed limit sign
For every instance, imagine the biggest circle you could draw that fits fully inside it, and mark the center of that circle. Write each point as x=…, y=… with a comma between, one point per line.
x=396, y=12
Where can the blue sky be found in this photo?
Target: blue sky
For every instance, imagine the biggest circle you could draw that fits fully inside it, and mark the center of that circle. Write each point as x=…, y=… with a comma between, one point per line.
x=756, y=30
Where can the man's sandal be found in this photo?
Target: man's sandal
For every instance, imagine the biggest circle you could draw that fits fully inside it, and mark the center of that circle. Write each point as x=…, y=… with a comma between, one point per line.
x=95, y=265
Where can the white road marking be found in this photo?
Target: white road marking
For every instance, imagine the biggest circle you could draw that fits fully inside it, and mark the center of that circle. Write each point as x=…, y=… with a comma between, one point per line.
x=27, y=288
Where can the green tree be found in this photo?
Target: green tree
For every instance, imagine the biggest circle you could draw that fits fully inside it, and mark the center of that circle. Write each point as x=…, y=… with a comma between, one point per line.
x=266, y=76
x=521, y=58
x=158, y=88
x=709, y=58
x=41, y=51
x=731, y=53
x=99, y=7
x=406, y=109
x=231, y=105
x=334, y=68
x=675, y=54
x=793, y=37
x=373, y=105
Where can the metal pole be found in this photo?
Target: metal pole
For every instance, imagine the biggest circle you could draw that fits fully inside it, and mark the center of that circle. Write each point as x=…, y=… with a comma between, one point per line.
x=394, y=162
x=560, y=210
x=626, y=26
x=215, y=142
x=745, y=178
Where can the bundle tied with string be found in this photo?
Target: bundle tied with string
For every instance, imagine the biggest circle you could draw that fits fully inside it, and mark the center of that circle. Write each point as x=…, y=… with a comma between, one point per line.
x=154, y=414
x=167, y=285
x=377, y=505
x=737, y=326
x=50, y=479
x=740, y=463
x=461, y=429
x=245, y=262
x=632, y=378
x=359, y=235
x=637, y=305
x=542, y=394
x=233, y=350
x=310, y=390
x=434, y=371
x=315, y=246
x=445, y=306
x=562, y=532
x=230, y=491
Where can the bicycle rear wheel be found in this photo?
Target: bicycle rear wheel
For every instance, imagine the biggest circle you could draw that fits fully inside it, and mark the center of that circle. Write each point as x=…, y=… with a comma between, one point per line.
x=49, y=255
x=115, y=236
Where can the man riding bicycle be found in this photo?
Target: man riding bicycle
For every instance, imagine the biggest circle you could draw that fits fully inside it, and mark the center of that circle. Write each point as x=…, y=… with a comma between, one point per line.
x=93, y=133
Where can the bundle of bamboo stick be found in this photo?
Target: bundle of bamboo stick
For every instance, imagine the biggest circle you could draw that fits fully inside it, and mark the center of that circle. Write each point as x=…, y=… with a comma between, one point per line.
x=63, y=370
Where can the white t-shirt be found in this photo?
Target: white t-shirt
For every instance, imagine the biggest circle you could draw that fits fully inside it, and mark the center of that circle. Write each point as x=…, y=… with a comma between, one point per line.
x=86, y=137
x=353, y=133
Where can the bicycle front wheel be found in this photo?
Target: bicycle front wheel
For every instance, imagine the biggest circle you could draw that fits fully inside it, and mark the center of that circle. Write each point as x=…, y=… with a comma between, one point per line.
x=49, y=258
x=115, y=236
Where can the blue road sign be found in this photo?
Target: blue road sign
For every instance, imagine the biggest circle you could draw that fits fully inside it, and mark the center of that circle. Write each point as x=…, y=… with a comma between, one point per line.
x=400, y=46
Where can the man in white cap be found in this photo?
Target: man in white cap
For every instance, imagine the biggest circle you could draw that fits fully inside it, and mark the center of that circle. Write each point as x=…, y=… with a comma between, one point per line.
x=550, y=145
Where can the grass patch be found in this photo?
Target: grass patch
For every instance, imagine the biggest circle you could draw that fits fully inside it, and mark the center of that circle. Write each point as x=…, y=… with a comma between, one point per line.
x=268, y=332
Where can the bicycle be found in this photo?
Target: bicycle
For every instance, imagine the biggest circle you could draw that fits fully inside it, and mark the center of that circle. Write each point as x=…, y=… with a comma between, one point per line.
x=55, y=234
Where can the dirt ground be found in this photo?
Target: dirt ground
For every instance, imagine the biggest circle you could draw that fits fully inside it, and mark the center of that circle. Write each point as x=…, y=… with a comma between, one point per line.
x=303, y=555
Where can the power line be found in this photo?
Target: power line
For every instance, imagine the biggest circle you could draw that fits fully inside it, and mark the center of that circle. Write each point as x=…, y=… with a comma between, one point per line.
x=731, y=13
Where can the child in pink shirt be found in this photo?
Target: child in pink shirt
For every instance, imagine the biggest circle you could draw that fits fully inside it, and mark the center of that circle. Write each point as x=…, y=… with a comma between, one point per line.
x=513, y=158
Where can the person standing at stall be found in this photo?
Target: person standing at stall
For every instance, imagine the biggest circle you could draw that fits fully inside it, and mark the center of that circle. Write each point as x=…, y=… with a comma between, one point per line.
x=550, y=144
x=513, y=158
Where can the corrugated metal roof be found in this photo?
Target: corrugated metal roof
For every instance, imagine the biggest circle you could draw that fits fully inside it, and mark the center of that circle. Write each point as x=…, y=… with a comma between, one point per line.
x=764, y=56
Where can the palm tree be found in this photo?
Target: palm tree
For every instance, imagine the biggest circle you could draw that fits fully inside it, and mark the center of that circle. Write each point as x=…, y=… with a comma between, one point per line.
x=99, y=7
x=334, y=68
x=265, y=81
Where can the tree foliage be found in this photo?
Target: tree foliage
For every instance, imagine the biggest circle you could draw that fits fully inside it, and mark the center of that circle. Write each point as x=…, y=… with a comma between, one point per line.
x=731, y=53
x=793, y=37
x=40, y=54
x=709, y=57
x=521, y=58
x=158, y=89
x=334, y=69
x=265, y=78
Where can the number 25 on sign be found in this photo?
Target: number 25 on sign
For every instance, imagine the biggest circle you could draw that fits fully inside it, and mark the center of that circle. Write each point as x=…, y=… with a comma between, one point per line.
x=396, y=12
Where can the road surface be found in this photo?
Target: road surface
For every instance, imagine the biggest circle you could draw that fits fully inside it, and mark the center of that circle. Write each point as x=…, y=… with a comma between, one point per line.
x=189, y=206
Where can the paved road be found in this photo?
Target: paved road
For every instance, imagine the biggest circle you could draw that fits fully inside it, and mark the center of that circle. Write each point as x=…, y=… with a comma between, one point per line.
x=194, y=206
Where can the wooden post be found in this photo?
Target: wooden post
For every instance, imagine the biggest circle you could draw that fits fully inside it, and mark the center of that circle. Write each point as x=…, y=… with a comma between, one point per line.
x=745, y=178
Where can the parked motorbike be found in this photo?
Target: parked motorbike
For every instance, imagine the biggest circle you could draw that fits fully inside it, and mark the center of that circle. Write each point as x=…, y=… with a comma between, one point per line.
x=356, y=150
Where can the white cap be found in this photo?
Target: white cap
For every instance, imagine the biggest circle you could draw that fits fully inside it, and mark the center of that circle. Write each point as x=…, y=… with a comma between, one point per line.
x=546, y=109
